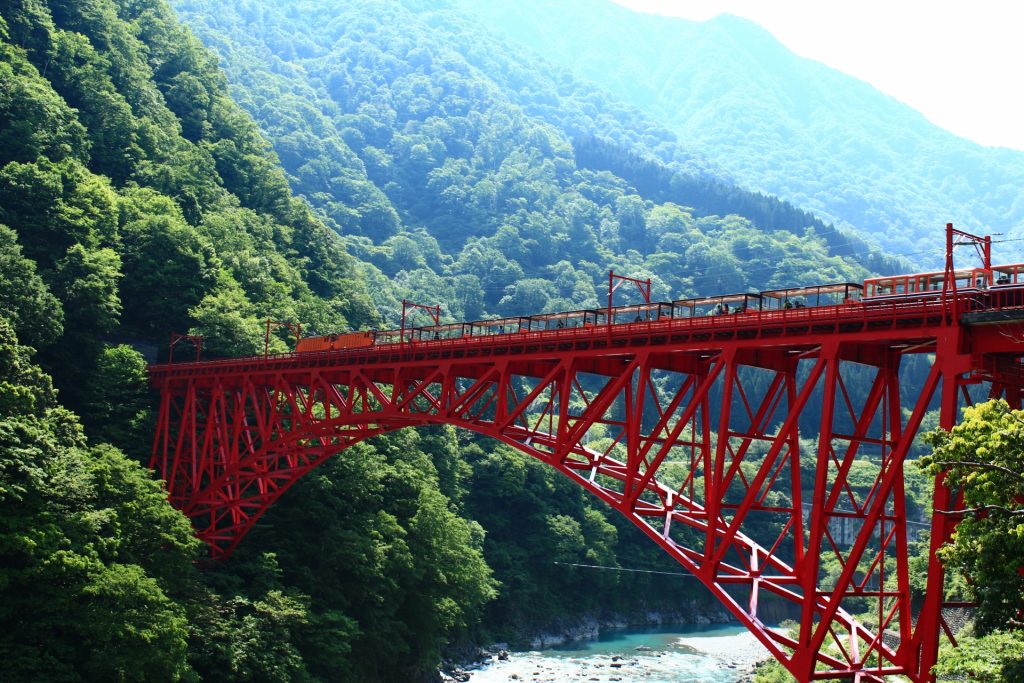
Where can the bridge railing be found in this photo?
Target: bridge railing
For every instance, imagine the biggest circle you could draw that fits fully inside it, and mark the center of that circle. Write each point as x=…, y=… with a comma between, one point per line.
x=859, y=312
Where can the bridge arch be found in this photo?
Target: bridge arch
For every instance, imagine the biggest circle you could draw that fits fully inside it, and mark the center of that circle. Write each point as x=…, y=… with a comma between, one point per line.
x=704, y=445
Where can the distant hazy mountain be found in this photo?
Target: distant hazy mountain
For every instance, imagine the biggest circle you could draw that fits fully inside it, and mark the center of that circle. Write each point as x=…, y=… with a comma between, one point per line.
x=778, y=122
x=463, y=169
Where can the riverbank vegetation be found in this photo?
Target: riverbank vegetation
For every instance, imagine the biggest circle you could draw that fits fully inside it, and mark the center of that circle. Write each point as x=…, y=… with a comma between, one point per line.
x=137, y=199
x=984, y=456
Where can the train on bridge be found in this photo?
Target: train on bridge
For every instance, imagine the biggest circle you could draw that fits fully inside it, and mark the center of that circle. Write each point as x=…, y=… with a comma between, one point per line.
x=983, y=288
x=697, y=419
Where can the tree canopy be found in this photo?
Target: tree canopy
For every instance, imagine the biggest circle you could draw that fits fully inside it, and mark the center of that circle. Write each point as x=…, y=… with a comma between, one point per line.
x=347, y=156
x=984, y=457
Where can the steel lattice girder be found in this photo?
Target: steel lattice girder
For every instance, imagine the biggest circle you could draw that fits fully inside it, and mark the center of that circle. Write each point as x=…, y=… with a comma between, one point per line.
x=699, y=444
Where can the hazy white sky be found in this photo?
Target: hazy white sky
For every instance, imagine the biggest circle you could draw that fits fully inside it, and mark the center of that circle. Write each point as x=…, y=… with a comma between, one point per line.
x=959, y=62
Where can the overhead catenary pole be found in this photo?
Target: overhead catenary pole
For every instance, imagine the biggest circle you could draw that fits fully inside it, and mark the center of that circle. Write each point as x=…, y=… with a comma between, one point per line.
x=643, y=285
x=295, y=328
x=983, y=248
x=433, y=311
x=195, y=339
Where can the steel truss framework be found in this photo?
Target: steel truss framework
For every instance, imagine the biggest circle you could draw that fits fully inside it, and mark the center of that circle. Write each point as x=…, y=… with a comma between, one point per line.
x=706, y=435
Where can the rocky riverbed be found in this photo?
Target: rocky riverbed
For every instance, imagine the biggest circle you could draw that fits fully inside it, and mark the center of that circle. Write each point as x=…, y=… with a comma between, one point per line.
x=684, y=655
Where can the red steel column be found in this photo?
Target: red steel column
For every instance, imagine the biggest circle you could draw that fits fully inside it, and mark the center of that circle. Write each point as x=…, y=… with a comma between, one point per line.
x=714, y=471
x=807, y=573
x=928, y=630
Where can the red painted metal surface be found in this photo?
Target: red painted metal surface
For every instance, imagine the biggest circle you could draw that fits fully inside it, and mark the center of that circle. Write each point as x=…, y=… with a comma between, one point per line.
x=713, y=465
x=763, y=451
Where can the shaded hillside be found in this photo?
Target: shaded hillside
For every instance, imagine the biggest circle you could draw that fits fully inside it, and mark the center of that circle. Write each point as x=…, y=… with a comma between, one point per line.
x=777, y=122
x=137, y=198
x=711, y=196
x=387, y=122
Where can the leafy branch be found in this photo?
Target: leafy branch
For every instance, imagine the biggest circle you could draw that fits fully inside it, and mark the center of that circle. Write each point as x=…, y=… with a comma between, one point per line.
x=983, y=465
x=982, y=508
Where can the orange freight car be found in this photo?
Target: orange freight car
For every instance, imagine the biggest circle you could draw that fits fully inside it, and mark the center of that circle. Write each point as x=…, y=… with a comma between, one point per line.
x=335, y=342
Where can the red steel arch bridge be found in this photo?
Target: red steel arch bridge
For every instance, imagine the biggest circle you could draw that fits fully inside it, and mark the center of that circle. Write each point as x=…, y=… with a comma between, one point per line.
x=758, y=450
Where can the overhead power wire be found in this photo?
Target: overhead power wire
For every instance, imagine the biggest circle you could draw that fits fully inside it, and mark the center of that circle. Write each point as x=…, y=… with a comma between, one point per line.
x=752, y=273
x=625, y=569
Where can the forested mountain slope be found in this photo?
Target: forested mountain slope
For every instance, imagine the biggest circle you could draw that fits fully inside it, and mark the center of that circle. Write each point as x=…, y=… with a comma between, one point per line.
x=405, y=126
x=775, y=121
x=137, y=198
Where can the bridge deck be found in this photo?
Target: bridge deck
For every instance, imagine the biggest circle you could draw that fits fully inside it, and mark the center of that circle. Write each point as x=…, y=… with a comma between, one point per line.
x=709, y=459
x=892, y=321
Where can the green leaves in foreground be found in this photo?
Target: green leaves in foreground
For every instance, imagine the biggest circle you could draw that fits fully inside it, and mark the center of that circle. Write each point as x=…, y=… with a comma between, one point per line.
x=93, y=561
x=984, y=455
x=995, y=658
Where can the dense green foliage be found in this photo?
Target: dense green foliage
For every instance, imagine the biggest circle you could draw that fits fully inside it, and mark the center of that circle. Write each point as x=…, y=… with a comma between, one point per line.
x=775, y=121
x=96, y=566
x=997, y=657
x=142, y=209
x=391, y=569
x=772, y=672
x=387, y=123
x=137, y=198
x=984, y=455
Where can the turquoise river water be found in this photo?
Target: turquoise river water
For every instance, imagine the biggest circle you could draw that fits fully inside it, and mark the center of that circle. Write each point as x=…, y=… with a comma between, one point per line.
x=719, y=654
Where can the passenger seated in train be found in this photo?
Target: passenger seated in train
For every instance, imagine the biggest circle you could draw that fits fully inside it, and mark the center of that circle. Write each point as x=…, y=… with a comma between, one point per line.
x=1004, y=279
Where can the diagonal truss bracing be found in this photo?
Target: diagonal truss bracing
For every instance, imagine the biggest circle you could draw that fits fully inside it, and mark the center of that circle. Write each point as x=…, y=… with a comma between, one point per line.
x=770, y=469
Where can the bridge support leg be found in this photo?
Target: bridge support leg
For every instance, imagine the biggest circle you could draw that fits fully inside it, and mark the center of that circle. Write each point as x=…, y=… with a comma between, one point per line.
x=634, y=427
x=929, y=627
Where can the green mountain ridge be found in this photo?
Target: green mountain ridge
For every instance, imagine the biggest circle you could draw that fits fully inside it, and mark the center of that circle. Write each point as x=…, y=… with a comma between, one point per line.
x=139, y=196
x=448, y=164
x=138, y=199
x=777, y=122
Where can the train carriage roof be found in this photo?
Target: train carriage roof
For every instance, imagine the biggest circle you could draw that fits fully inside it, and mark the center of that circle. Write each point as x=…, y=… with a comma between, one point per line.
x=958, y=273
x=743, y=297
x=383, y=335
x=498, y=322
x=561, y=315
x=446, y=327
x=635, y=308
x=814, y=290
